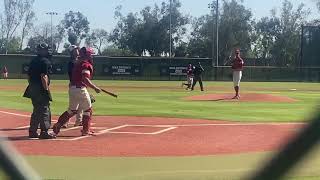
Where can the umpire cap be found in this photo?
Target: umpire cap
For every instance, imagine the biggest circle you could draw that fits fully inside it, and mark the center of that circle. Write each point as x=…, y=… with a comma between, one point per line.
x=44, y=46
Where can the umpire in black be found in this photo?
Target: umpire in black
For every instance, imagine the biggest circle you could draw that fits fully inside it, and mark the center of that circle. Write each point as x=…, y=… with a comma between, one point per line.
x=38, y=91
x=197, y=72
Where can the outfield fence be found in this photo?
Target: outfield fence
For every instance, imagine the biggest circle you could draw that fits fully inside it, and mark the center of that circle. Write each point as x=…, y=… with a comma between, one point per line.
x=152, y=68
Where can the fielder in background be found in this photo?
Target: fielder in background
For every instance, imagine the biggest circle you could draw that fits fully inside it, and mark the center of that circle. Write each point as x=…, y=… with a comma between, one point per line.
x=189, y=77
x=197, y=72
x=39, y=92
x=79, y=98
x=5, y=72
x=237, y=67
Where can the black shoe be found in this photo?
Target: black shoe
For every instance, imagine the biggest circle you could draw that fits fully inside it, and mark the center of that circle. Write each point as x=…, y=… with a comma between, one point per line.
x=33, y=135
x=45, y=135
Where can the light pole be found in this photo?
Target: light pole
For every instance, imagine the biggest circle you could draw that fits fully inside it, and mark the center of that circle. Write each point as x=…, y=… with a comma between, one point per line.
x=215, y=31
x=170, y=51
x=51, y=14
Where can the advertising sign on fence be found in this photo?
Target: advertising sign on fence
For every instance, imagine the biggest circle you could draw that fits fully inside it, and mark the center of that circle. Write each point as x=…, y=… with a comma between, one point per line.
x=173, y=70
x=56, y=69
x=129, y=70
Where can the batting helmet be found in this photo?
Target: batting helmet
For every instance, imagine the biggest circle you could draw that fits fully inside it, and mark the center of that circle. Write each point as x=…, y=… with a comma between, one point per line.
x=86, y=52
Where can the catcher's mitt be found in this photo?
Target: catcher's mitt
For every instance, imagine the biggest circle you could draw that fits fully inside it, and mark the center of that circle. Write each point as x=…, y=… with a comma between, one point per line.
x=92, y=98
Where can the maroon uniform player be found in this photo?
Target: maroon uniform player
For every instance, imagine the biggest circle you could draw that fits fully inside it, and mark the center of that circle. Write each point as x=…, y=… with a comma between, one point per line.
x=5, y=72
x=237, y=67
x=189, y=77
x=79, y=98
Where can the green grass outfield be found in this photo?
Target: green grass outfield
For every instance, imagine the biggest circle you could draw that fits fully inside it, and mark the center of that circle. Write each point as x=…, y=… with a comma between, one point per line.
x=165, y=99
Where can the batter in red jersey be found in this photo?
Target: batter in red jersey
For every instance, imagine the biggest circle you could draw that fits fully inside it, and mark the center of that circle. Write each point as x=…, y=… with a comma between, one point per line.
x=189, y=77
x=237, y=67
x=79, y=98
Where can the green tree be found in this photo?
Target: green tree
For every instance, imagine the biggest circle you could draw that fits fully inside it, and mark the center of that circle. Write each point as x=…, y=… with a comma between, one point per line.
x=181, y=50
x=116, y=52
x=13, y=16
x=42, y=34
x=14, y=45
x=266, y=31
x=28, y=20
x=235, y=28
x=97, y=39
x=278, y=37
x=200, y=41
x=127, y=33
x=76, y=26
x=149, y=30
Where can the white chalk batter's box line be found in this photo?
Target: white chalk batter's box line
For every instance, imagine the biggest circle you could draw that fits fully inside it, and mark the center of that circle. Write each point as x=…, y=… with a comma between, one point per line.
x=112, y=131
x=168, y=127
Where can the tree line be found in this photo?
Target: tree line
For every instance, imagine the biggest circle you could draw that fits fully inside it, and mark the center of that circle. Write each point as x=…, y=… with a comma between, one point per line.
x=147, y=32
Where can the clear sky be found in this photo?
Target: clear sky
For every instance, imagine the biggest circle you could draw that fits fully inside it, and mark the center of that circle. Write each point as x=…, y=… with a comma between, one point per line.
x=100, y=12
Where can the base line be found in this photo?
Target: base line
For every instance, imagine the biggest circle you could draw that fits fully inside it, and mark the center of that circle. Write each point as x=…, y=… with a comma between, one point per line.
x=15, y=114
x=216, y=124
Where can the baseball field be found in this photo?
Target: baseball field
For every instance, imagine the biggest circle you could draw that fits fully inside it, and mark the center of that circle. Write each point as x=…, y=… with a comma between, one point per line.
x=158, y=130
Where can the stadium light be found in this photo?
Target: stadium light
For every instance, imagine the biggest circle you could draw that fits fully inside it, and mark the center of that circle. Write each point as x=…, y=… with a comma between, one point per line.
x=215, y=4
x=51, y=14
x=170, y=12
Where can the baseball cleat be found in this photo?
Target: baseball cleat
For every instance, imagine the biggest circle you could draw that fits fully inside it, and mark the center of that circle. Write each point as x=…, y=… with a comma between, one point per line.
x=236, y=97
x=65, y=126
x=88, y=133
x=77, y=124
x=33, y=135
x=45, y=135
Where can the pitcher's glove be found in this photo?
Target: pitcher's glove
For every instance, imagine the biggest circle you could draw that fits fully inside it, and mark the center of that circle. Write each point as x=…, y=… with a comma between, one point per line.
x=92, y=98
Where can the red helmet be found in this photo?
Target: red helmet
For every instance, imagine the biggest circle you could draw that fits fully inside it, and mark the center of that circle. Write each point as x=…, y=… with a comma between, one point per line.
x=86, y=52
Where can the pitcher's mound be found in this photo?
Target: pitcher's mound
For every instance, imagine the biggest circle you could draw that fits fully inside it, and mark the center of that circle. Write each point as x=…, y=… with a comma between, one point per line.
x=249, y=97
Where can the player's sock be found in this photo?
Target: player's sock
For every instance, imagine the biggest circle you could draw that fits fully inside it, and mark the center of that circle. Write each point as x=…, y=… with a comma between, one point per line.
x=237, y=90
x=86, y=122
x=64, y=118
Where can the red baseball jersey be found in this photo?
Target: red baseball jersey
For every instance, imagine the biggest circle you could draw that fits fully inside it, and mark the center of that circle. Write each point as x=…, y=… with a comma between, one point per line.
x=237, y=64
x=189, y=70
x=79, y=71
x=4, y=70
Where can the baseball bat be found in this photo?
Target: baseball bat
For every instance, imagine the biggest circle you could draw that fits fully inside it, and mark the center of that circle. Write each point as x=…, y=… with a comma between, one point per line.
x=110, y=93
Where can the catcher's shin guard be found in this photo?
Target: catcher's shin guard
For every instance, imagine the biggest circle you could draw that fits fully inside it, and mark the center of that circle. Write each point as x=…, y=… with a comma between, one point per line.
x=86, y=122
x=63, y=119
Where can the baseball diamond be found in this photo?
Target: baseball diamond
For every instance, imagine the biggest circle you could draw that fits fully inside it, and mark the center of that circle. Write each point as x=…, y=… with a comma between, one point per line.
x=159, y=90
x=123, y=130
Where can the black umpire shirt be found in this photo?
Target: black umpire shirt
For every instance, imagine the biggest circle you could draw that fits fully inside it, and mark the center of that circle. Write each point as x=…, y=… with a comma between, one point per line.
x=198, y=71
x=39, y=65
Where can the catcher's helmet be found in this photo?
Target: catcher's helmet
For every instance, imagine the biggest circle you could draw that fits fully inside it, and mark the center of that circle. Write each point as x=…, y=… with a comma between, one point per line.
x=86, y=52
x=72, y=47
